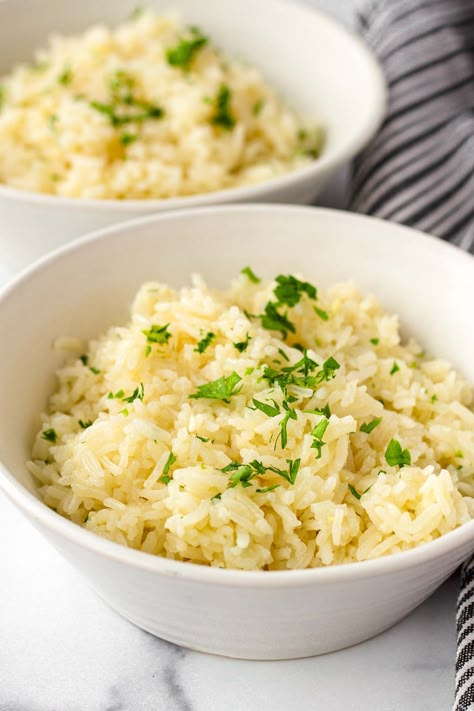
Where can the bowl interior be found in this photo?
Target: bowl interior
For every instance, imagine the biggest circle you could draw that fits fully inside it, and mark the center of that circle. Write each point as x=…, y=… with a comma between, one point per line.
x=88, y=286
x=322, y=69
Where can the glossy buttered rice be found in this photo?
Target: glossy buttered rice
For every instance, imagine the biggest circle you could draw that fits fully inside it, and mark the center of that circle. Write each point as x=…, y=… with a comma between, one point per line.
x=149, y=109
x=267, y=427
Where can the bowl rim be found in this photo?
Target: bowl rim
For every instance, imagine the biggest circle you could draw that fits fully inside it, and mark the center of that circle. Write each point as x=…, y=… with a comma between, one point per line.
x=323, y=164
x=74, y=534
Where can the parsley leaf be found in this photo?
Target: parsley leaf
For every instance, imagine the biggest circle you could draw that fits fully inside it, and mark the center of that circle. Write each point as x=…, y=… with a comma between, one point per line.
x=85, y=425
x=220, y=389
x=116, y=396
x=203, y=439
x=185, y=51
x=243, y=345
x=137, y=394
x=165, y=478
x=329, y=368
x=396, y=455
x=223, y=115
x=320, y=411
x=395, y=368
x=157, y=334
x=65, y=77
x=257, y=107
x=84, y=359
x=96, y=371
x=291, y=474
x=242, y=473
x=375, y=341
x=126, y=139
x=267, y=489
x=205, y=342
x=50, y=435
x=290, y=289
x=250, y=274
x=354, y=492
x=322, y=314
x=317, y=435
x=290, y=415
x=268, y=410
x=367, y=427
x=274, y=321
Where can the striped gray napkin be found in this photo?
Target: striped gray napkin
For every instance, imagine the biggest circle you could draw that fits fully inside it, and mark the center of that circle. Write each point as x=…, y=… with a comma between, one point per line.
x=419, y=169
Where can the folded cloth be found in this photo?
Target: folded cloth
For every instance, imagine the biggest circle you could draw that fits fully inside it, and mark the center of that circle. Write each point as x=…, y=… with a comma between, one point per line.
x=419, y=169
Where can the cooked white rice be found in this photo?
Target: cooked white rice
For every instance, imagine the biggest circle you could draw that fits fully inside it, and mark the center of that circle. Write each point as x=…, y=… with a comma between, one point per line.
x=57, y=117
x=348, y=504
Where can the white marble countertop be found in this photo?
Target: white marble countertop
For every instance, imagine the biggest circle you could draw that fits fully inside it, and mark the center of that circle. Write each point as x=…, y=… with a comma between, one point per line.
x=63, y=649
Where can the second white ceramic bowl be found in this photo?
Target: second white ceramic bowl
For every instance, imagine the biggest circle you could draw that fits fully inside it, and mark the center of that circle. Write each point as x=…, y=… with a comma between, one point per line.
x=321, y=68
x=88, y=286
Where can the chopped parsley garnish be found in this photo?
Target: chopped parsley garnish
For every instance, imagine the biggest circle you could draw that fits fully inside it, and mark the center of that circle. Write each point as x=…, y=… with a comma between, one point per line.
x=96, y=371
x=459, y=454
x=367, y=427
x=50, y=435
x=243, y=473
x=354, y=492
x=322, y=314
x=329, y=368
x=375, y=341
x=220, y=389
x=116, y=396
x=434, y=398
x=269, y=410
x=217, y=497
x=290, y=415
x=222, y=113
x=84, y=425
x=205, y=342
x=396, y=455
x=143, y=109
x=289, y=290
x=137, y=394
x=291, y=474
x=267, y=489
x=243, y=345
x=2, y=96
x=283, y=354
x=274, y=321
x=84, y=359
x=126, y=139
x=124, y=412
x=65, y=78
x=185, y=51
x=320, y=411
x=305, y=365
x=250, y=274
x=317, y=435
x=257, y=107
x=395, y=368
x=157, y=334
x=203, y=439
x=165, y=478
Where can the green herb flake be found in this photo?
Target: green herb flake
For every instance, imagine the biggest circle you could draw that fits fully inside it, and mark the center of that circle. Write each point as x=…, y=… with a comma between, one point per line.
x=283, y=354
x=165, y=478
x=395, y=455
x=251, y=276
x=243, y=473
x=203, y=439
x=217, y=497
x=459, y=454
x=243, y=345
x=317, y=435
x=96, y=371
x=320, y=411
x=205, y=342
x=375, y=341
x=137, y=394
x=269, y=410
x=322, y=314
x=116, y=396
x=220, y=389
x=147, y=351
x=291, y=414
x=395, y=368
x=368, y=427
x=289, y=290
x=354, y=492
x=84, y=359
x=257, y=107
x=126, y=139
x=157, y=334
x=3, y=95
x=222, y=113
x=291, y=474
x=248, y=371
x=274, y=321
x=50, y=435
x=434, y=398
x=329, y=368
x=267, y=489
x=84, y=425
x=65, y=78
x=184, y=52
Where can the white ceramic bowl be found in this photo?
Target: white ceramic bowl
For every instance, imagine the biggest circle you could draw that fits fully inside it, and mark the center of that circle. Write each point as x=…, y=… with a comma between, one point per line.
x=88, y=285
x=319, y=66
